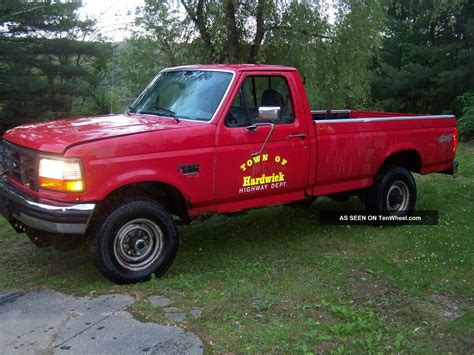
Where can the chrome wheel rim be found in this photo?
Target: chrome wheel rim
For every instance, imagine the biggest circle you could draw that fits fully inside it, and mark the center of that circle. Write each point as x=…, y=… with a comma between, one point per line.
x=398, y=197
x=138, y=244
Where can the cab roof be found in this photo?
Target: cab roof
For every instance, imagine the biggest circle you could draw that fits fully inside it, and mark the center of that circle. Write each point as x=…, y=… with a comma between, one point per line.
x=234, y=67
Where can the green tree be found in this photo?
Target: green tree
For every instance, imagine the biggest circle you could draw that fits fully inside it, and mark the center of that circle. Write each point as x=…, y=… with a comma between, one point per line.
x=427, y=58
x=466, y=121
x=47, y=67
x=333, y=57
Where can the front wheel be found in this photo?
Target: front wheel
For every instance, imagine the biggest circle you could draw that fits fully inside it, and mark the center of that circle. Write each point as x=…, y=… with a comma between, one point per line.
x=393, y=192
x=136, y=240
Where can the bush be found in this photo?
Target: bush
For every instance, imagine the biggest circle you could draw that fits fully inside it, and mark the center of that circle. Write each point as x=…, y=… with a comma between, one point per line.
x=466, y=121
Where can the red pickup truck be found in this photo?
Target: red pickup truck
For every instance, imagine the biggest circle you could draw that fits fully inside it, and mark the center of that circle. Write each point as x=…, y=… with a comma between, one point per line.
x=200, y=139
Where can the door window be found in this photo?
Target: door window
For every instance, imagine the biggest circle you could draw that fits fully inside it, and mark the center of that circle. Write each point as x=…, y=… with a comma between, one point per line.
x=257, y=91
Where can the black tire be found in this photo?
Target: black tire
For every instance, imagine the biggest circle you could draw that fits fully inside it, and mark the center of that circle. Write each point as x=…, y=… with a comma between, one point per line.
x=136, y=240
x=393, y=192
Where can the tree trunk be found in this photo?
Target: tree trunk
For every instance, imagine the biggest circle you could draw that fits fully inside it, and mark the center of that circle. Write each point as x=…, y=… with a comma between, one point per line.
x=199, y=21
x=259, y=33
x=232, y=43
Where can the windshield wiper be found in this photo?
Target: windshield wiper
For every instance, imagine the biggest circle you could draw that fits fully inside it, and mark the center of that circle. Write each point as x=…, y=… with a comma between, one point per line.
x=168, y=111
x=130, y=109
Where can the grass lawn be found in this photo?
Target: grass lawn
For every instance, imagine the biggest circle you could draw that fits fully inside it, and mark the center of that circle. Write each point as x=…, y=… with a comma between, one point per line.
x=274, y=280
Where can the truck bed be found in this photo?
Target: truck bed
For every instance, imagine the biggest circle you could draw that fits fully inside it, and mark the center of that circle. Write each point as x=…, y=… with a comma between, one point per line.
x=352, y=145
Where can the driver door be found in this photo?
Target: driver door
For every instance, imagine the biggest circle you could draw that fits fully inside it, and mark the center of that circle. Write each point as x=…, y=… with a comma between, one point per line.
x=250, y=173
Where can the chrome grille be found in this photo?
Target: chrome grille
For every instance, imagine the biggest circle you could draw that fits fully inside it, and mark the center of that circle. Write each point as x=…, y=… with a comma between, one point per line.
x=18, y=163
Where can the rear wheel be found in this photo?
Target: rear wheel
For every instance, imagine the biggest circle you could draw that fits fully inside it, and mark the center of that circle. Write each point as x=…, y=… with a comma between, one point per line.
x=393, y=192
x=136, y=240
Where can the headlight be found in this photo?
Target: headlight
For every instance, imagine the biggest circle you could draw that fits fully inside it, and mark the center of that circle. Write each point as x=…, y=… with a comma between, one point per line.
x=61, y=175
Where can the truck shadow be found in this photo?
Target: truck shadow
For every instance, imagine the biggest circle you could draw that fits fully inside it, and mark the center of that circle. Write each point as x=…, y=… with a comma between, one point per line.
x=222, y=242
x=219, y=244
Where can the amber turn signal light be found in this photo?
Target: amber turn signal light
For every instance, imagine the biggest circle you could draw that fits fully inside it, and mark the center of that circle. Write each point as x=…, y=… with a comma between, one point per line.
x=61, y=185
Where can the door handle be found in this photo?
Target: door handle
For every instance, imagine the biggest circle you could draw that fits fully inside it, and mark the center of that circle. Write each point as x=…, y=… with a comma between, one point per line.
x=297, y=135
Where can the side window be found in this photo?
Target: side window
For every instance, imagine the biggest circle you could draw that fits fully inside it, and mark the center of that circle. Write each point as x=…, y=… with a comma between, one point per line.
x=257, y=91
x=237, y=116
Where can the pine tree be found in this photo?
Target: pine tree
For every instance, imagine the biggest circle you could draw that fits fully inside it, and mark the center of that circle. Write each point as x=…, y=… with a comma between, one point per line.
x=47, y=65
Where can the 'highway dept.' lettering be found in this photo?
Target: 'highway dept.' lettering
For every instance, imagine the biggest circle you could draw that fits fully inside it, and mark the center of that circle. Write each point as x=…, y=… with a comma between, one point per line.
x=263, y=182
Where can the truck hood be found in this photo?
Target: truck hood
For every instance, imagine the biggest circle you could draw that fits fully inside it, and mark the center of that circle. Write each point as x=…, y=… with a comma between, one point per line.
x=57, y=136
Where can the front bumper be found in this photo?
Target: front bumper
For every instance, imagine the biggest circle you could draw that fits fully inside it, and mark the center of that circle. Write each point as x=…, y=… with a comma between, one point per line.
x=55, y=218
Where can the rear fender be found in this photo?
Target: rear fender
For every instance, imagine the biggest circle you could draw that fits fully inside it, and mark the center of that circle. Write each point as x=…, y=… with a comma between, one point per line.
x=406, y=156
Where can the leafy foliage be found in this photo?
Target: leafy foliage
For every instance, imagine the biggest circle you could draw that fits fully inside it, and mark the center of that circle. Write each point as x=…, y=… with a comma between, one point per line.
x=466, y=122
x=426, y=59
x=47, y=66
x=333, y=58
x=395, y=55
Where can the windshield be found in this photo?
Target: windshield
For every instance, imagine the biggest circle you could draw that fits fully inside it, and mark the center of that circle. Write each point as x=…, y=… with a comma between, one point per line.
x=188, y=94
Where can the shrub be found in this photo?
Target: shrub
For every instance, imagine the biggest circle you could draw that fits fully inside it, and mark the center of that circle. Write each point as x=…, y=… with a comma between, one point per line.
x=466, y=121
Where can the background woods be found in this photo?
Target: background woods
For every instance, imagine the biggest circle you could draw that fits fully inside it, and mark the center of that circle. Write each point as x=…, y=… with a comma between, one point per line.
x=51, y=62
x=396, y=55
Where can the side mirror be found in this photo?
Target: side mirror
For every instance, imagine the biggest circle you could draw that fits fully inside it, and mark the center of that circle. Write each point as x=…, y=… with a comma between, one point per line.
x=269, y=113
